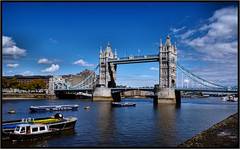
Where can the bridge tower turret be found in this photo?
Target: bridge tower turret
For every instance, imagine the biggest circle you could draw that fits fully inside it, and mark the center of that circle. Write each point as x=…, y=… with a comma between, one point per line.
x=107, y=75
x=165, y=91
x=107, y=71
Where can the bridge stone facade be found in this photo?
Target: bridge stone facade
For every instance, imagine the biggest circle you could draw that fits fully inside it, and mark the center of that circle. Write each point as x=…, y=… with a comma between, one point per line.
x=107, y=71
x=107, y=75
x=167, y=64
x=165, y=91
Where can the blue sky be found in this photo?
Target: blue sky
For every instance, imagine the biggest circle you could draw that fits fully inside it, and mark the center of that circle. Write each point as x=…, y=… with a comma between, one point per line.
x=41, y=38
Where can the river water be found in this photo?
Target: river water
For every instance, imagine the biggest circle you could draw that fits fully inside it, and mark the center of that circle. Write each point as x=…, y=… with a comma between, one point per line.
x=145, y=125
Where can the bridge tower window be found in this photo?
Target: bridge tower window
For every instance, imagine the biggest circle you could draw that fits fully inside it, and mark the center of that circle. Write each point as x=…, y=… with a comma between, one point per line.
x=173, y=82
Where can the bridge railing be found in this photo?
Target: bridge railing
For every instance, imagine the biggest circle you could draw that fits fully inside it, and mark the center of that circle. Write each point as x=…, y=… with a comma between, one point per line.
x=133, y=57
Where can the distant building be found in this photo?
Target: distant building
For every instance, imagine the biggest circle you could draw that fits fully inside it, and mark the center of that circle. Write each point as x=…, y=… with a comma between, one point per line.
x=88, y=75
x=28, y=79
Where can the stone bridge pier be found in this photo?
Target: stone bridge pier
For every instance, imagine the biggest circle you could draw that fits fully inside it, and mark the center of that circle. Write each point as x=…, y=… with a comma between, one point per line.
x=164, y=95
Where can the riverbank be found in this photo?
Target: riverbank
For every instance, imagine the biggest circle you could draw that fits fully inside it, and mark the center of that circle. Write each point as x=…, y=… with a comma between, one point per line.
x=18, y=98
x=26, y=96
x=221, y=135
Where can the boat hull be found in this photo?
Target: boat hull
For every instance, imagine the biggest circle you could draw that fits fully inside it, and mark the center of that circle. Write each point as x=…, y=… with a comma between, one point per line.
x=33, y=137
x=35, y=109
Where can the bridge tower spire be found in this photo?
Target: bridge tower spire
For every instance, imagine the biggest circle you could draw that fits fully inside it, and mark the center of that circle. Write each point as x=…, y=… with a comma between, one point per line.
x=160, y=45
x=168, y=41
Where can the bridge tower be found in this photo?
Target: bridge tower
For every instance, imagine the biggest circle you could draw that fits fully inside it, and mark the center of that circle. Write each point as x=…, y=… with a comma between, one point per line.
x=107, y=75
x=165, y=91
x=107, y=71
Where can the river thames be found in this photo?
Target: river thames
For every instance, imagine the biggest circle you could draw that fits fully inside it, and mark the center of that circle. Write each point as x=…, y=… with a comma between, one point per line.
x=145, y=125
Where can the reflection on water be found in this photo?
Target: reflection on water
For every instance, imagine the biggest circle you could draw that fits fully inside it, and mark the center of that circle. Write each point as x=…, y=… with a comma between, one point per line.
x=43, y=142
x=146, y=125
x=104, y=122
x=165, y=122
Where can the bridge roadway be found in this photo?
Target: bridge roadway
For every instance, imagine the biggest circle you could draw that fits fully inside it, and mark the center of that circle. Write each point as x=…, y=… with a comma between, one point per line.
x=115, y=90
x=134, y=59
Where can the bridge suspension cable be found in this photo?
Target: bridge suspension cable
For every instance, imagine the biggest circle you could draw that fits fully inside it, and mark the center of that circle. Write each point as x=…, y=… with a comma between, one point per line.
x=198, y=79
x=82, y=83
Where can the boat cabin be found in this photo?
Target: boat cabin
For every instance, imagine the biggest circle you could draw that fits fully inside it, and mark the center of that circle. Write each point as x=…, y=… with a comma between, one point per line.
x=30, y=129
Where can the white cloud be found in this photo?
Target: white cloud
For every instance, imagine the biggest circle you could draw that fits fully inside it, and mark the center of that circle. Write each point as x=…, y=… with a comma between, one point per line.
x=12, y=65
x=52, y=68
x=175, y=30
x=220, y=38
x=44, y=61
x=154, y=68
x=27, y=73
x=186, y=34
x=216, y=44
x=8, y=73
x=10, y=50
x=83, y=63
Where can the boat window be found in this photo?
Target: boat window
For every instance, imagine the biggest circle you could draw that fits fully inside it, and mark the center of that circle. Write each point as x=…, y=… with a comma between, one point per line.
x=28, y=129
x=34, y=129
x=22, y=130
x=42, y=128
x=17, y=129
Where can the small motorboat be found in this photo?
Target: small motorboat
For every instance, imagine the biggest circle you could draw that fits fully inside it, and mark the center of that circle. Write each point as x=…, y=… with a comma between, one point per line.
x=230, y=98
x=32, y=132
x=12, y=111
x=53, y=108
x=54, y=122
x=126, y=104
x=87, y=107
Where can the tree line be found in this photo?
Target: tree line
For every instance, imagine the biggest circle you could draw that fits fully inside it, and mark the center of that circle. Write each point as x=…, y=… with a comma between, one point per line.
x=34, y=84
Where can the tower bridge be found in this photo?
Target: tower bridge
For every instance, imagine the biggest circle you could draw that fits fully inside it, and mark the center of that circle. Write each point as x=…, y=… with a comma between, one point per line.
x=167, y=58
x=166, y=91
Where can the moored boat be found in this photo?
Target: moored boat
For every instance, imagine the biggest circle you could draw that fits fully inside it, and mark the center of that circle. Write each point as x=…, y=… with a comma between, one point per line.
x=54, y=122
x=12, y=111
x=230, y=98
x=32, y=132
x=87, y=107
x=53, y=108
x=117, y=104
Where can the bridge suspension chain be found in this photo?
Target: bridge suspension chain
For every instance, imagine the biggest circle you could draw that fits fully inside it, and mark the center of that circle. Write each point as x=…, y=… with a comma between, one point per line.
x=198, y=79
x=82, y=83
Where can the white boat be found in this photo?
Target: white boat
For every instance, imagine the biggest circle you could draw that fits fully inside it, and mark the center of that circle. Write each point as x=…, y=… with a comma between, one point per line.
x=32, y=131
x=53, y=108
x=27, y=131
x=53, y=123
x=230, y=98
x=118, y=104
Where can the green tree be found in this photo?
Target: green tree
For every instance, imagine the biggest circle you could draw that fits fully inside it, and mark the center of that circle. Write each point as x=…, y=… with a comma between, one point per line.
x=5, y=83
x=14, y=83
